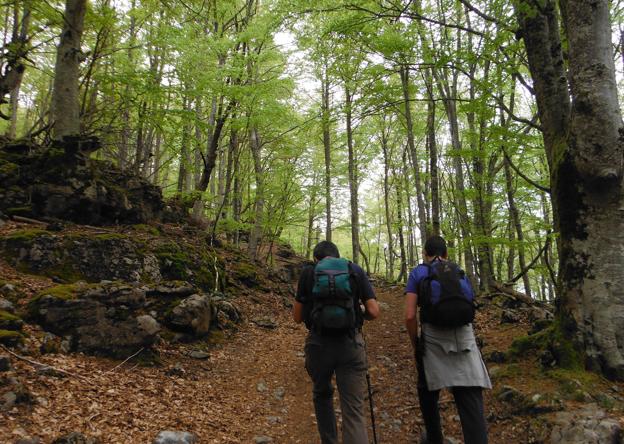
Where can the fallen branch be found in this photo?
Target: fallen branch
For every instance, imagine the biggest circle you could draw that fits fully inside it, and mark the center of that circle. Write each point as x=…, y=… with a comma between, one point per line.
x=39, y=364
x=28, y=220
x=125, y=360
x=513, y=293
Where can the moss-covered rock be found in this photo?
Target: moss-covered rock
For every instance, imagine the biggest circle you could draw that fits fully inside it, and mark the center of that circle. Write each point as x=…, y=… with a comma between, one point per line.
x=190, y=263
x=11, y=338
x=552, y=341
x=9, y=321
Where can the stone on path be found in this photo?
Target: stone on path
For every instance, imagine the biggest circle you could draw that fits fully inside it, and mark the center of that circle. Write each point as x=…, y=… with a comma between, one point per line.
x=75, y=438
x=263, y=439
x=173, y=437
x=585, y=426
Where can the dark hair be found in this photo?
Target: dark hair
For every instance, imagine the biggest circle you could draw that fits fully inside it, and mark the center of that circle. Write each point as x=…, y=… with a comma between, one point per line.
x=324, y=249
x=435, y=246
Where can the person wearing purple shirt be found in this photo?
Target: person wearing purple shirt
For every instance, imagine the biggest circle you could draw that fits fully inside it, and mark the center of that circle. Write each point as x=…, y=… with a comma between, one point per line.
x=445, y=358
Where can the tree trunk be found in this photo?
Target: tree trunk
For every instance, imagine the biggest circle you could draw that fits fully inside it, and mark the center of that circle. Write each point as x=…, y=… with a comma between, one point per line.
x=433, y=158
x=584, y=149
x=256, y=231
x=422, y=218
x=327, y=152
x=65, y=99
x=386, y=157
x=353, y=180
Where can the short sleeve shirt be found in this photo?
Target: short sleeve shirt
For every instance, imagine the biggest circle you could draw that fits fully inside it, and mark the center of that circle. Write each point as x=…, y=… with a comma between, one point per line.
x=421, y=272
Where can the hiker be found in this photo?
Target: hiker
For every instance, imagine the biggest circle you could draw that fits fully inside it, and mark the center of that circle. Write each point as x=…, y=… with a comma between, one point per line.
x=446, y=351
x=329, y=294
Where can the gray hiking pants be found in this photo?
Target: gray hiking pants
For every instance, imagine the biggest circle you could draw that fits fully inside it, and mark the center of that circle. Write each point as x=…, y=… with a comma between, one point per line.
x=346, y=357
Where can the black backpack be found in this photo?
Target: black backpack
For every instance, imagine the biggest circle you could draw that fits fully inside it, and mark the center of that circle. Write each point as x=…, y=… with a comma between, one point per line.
x=452, y=308
x=334, y=308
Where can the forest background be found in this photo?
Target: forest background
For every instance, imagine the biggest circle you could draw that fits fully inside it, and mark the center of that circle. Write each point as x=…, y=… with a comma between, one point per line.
x=370, y=123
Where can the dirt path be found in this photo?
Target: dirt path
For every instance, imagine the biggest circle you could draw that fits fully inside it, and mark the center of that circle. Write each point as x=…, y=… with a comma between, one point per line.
x=252, y=385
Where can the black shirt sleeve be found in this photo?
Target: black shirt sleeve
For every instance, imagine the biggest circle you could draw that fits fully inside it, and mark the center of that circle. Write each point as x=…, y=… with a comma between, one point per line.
x=305, y=284
x=364, y=286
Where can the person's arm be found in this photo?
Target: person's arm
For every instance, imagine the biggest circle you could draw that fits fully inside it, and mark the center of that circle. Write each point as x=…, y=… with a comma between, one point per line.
x=371, y=309
x=411, y=317
x=298, y=312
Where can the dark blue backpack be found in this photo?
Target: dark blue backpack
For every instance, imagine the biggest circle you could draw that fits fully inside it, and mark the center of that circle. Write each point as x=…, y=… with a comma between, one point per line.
x=451, y=307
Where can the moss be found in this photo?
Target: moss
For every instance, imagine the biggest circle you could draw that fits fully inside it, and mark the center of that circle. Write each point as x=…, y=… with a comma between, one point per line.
x=24, y=211
x=144, y=228
x=25, y=236
x=11, y=338
x=8, y=169
x=551, y=339
x=65, y=292
x=9, y=321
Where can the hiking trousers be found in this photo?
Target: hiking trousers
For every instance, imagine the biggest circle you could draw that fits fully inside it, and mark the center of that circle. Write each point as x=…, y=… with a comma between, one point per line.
x=346, y=358
x=469, y=402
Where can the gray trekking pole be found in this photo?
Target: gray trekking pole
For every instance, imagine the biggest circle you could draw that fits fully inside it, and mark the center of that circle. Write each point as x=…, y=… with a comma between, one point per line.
x=370, y=393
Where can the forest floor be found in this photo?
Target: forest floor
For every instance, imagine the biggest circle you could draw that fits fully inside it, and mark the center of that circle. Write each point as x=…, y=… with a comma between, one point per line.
x=254, y=384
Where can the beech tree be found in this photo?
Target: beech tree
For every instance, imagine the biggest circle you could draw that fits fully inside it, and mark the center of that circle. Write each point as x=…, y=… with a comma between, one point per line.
x=582, y=125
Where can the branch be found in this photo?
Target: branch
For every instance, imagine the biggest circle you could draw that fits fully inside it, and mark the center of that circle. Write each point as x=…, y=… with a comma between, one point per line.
x=521, y=174
x=530, y=265
x=39, y=364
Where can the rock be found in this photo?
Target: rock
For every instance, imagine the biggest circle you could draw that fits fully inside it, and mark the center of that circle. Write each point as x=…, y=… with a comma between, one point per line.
x=172, y=437
x=75, y=438
x=268, y=323
x=78, y=256
x=5, y=363
x=263, y=439
x=176, y=370
x=279, y=393
x=274, y=420
x=497, y=357
x=510, y=317
x=9, y=399
x=261, y=386
x=50, y=344
x=540, y=325
x=539, y=314
x=227, y=313
x=101, y=319
x=589, y=425
x=50, y=371
x=11, y=338
x=28, y=441
x=6, y=305
x=193, y=315
x=9, y=321
x=198, y=354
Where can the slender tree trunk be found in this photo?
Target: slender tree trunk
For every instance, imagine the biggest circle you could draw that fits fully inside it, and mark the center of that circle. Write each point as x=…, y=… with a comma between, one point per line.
x=422, y=218
x=325, y=114
x=399, y=203
x=65, y=99
x=256, y=232
x=353, y=181
x=386, y=157
x=433, y=158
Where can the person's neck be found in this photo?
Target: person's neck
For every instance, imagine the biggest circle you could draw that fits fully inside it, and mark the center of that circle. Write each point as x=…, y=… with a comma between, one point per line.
x=430, y=259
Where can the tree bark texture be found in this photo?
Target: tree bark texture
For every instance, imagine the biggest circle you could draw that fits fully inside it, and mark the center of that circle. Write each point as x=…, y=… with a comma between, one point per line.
x=65, y=99
x=353, y=180
x=585, y=148
x=327, y=154
x=422, y=218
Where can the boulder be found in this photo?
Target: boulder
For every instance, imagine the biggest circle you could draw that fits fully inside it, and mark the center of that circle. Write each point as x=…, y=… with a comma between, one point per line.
x=589, y=425
x=101, y=318
x=6, y=305
x=63, y=182
x=73, y=257
x=510, y=317
x=192, y=315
